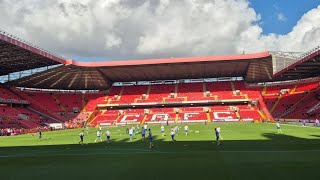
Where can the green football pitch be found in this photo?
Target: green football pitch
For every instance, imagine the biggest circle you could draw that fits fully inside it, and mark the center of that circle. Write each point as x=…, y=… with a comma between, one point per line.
x=248, y=151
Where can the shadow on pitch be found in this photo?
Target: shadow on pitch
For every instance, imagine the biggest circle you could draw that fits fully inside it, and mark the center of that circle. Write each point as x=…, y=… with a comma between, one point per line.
x=273, y=142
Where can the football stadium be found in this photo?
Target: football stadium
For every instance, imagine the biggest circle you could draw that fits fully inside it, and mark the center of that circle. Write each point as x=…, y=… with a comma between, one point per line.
x=237, y=116
x=243, y=95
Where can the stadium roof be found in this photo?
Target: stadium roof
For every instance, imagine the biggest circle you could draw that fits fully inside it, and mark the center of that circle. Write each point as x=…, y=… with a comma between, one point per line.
x=77, y=75
x=259, y=67
x=16, y=55
x=308, y=65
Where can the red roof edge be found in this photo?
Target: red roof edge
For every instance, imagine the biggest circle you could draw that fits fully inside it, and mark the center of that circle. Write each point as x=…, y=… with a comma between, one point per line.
x=171, y=60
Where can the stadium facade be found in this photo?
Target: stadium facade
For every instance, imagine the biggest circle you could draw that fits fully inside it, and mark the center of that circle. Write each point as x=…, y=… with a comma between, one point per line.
x=40, y=88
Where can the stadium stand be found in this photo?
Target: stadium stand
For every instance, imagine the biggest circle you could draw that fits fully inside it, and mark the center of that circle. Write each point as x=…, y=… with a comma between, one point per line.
x=247, y=87
x=6, y=94
x=74, y=108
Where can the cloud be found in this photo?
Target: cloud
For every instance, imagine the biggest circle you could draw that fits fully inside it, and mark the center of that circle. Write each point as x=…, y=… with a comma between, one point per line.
x=126, y=29
x=281, y=17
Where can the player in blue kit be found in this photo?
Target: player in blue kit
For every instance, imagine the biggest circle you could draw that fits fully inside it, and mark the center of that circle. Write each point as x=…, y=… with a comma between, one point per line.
x=150, y=139
x=162, y=130
x=172, y=133
x=81, y=137
x=217, y=132
x=143, y=133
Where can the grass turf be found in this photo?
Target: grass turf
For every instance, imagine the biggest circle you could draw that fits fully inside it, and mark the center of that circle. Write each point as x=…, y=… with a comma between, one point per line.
x=248, y=151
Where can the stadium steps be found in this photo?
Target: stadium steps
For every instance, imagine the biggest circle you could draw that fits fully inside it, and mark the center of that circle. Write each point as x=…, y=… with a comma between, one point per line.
x=276, y=103
x=238, y=115
x=28, y=124
x=293, y=89
x=103, y=112
x=148, y=92
x=44, y=115
x=262, y=114
x=264, y=90
x=245, y=96
x=264, y=110
x=120, y=94
x=92, y=120
x=92, y=116
x=176, y=88
x=144, y=119
x=176, y=119
x=59, y=103
x=106, y=98
x=117, y=119
x=83, y=102
x=208, y=117
x=233, y=88
x=204, y=88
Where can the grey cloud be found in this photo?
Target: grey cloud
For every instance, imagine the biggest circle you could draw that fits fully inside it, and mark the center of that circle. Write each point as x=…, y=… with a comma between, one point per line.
x=139, y=29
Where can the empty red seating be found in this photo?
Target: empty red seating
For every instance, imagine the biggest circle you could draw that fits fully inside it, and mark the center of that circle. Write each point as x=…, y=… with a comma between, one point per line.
x=306, y=86
x=286, y=101
x=131, y=93
x=222, y=89
x=270, y=101
x=6, y=94
x=19, y=118
x=251, y=92
x=110, y=118
x=91, y=101
x=158, y=92
x=175, y=93
x=61, y=105
x=307, y=107
x=70, y=100
x=114, y=93
x=193, y=91
x=46, y=99
x=36, y=105
x=250, y=114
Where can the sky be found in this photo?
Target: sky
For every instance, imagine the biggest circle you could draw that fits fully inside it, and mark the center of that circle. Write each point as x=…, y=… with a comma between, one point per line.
x=101, y=30
x=280, y=16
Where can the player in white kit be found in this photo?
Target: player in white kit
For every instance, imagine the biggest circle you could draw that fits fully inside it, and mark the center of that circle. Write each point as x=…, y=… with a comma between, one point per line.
x=186, y=129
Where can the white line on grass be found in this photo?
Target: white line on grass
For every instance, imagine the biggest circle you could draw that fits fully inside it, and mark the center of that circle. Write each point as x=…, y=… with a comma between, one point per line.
x=296, y=125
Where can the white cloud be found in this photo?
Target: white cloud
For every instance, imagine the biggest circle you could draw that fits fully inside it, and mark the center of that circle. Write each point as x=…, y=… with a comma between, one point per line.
x=281, y=17
x=112, y=41
x=126, y=29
